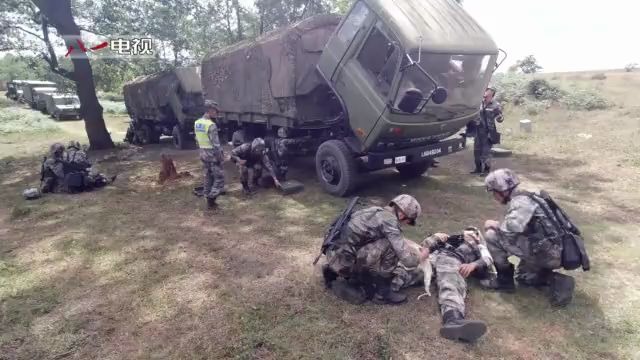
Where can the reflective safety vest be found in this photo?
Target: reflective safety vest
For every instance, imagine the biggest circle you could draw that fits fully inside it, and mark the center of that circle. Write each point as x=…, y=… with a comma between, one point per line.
x=201, y=129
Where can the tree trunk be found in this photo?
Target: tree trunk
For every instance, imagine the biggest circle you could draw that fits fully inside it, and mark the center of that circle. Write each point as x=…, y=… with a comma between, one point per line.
x=236, y=5
x=228, y=17
x=58, y=13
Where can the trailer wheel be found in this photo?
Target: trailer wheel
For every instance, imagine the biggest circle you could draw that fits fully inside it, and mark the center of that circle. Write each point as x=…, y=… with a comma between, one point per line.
x=336, y=168
x=413, y=170
x=148, y=135
x=181, y=140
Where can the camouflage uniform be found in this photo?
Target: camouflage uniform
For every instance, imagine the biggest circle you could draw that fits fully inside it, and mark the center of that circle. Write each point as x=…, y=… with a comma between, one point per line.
x=485, y=125
x=255, y=160
x=212, y=160
x=79, y=161
x=527, y=233
x=379, y=229
x=452, y=287
x=53, y=170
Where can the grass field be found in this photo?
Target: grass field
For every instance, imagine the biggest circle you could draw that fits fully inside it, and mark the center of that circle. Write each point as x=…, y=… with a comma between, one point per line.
x=139, y=271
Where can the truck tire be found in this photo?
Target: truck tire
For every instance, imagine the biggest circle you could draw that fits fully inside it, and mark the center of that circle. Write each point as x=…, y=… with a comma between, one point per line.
x=336, y=168
x=181, y=140
x=413, y=170
x=148, y=135
x=237, y=138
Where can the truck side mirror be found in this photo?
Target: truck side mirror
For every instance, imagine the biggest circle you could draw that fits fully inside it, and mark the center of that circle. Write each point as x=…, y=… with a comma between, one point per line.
x=410, y=100
x=439, y=95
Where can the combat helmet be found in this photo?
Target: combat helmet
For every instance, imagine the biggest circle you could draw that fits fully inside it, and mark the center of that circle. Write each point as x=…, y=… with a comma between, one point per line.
x=56, y=148
x=258, y=145
x=501, y=180
x=409, y=206
x=211, y=104
x=73, y=144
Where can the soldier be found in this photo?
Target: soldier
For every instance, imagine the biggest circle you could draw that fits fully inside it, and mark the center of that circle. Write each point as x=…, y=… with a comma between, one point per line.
x=253, y=156
x=453, y=261
x=52, y=176
x=486, y=134
x=525, y=232
x=77, y=160
x=211, y=154
x=368, y=275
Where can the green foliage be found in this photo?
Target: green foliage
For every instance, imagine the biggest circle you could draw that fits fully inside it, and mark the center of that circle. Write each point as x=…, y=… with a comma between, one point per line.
x=113, y=107
x=529, y=65
x=585, y=99
x=542, y=90
x=630, y=67
x=536, y=95
x=17, y=120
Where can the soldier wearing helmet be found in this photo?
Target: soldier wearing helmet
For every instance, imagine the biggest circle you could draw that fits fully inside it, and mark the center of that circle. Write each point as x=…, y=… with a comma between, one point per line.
x=357, y=276
x=485, y=131
x=52, y=170
x=529, y=234
x=251, y=158
x=211, y=153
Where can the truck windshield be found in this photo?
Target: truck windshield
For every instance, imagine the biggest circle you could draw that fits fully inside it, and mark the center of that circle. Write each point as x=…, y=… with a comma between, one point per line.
x=67, y=101
x=463, y=76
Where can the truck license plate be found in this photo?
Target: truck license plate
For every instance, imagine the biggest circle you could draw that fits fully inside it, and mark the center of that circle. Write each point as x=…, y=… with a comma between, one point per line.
x=401, y=159
x=431, y=152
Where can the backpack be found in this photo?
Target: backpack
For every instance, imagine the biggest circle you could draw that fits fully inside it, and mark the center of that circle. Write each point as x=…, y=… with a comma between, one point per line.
x=574, y=253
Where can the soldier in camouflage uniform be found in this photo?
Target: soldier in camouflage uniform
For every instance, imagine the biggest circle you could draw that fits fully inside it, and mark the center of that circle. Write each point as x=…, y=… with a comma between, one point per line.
x=77, y=159
x=253, y=156
x=368, y=275
x=525, y=232
x=452, y=264
x=53, y=170
x=486, y=132
x=211, y=154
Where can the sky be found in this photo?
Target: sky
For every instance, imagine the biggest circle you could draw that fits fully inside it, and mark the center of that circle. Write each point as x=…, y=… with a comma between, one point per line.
x=564, y=35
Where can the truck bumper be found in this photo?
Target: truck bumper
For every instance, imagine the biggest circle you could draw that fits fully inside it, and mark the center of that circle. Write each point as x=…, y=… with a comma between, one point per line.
x=381, y=160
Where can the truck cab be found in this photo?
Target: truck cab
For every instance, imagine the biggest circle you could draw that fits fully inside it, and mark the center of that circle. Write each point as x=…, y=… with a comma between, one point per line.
x=409, y=74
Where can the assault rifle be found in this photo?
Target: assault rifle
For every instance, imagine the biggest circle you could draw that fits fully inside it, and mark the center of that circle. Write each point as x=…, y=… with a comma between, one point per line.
x=333, y=232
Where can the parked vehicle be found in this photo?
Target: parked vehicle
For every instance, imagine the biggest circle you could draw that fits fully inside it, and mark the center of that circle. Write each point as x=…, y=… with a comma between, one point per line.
x=27, y=87
x=63, y=106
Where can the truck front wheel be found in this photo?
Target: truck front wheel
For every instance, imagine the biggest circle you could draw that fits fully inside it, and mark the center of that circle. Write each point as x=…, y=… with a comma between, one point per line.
x=413, y=170
x=336, y=168
x=181, y=139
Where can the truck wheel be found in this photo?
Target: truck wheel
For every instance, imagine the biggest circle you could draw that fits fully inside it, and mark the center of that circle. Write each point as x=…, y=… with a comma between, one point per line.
x=181, y=140
x=336, y=168
x=148, y=135
x=238, y=137
x=413, y=170
x=58, y=117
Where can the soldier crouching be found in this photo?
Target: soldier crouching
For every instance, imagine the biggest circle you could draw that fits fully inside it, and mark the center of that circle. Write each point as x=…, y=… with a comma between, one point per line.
x=367, y=274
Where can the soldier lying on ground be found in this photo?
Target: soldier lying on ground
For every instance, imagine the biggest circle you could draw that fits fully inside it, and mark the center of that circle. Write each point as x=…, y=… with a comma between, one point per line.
x=253, y=156
x=454, y=258
x=356, y=275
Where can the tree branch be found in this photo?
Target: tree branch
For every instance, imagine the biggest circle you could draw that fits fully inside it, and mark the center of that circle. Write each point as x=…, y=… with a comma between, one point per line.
x=52, y=59
x=23, y=30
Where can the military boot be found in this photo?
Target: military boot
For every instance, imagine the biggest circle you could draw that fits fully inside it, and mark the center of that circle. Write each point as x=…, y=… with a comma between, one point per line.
x=384, y=294
x=487, y=170
x=561, y=287
x=455, y=327
x=505, y=281
x=211, y=203
x=478, y=168
x=246, y=189
x=348, y=292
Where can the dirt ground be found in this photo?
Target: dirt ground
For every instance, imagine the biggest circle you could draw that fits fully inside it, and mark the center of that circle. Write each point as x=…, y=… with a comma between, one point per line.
x=138, y=271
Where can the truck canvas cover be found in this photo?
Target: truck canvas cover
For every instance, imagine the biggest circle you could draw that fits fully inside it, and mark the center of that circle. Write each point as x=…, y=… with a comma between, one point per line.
x=264, y=76
x=148, y=96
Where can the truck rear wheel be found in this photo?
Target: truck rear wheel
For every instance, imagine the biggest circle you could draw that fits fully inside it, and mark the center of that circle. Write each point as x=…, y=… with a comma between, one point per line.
x=336, y=168
x=181, y=140
x=413, y=170
x=148, y=135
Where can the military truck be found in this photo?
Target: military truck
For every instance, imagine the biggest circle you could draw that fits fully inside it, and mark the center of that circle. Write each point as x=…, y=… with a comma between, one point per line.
x=39, y=101
x=63, y=106
x=390, y=85
x=166, y=103
x=27, y=90
x=13, y=89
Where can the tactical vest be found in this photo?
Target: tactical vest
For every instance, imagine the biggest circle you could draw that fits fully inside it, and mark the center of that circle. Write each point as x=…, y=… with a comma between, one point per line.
x=201, y=129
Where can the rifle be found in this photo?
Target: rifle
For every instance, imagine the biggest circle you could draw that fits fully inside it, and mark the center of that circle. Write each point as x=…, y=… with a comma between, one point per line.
x=333, y=232
x=452, y=243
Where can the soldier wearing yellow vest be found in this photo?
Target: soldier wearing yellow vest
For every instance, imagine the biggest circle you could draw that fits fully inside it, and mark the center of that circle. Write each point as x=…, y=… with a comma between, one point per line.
x=211, y=153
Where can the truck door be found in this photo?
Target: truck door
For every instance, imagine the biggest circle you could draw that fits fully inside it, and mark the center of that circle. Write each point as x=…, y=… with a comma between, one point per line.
x=364, y=76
